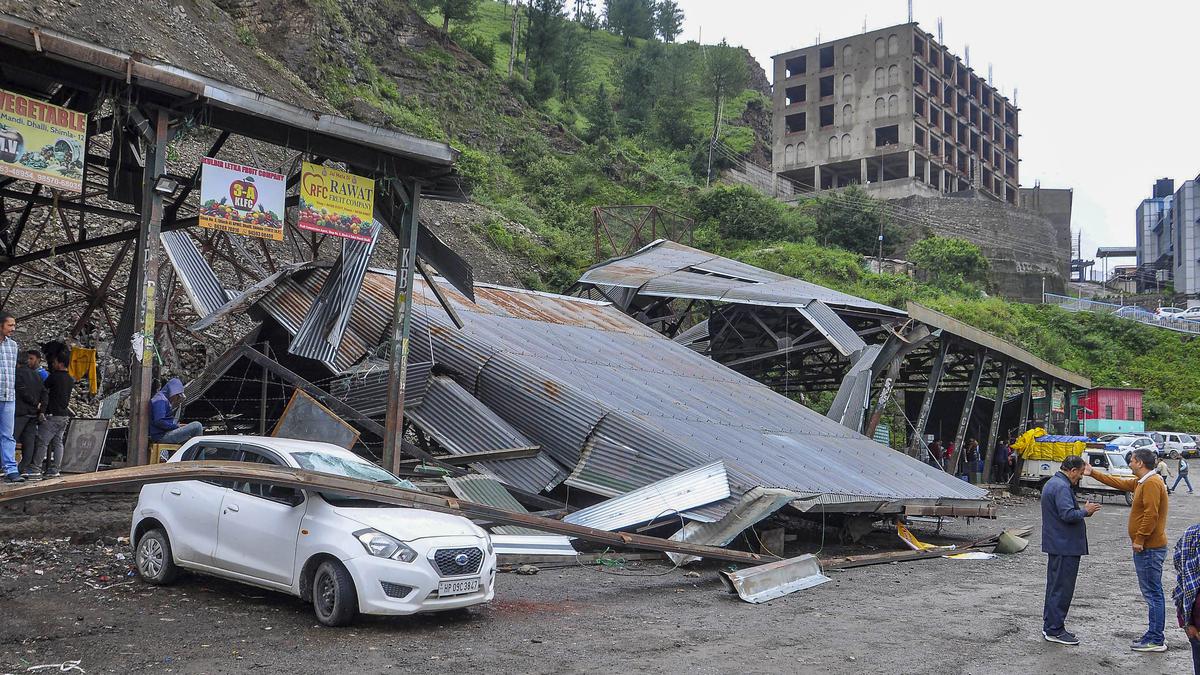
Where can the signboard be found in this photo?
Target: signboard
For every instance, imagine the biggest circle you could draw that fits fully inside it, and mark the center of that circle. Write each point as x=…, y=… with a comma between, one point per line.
x=335, y=202
x=241, y=199
x=41, y=143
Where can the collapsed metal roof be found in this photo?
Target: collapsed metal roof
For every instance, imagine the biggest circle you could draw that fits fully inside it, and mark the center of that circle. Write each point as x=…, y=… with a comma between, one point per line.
x=669, y=269
x=619, y=406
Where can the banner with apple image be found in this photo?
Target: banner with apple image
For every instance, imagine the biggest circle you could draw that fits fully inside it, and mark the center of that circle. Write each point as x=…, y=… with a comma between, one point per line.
x=241, y=199
x=335, y=202
x=41, y=143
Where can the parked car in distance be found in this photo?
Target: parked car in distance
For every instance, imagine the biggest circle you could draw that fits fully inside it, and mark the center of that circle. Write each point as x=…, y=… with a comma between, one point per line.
x=1176, y=444
x=343, y=554
x=1159, y=442
x=1126, y=444
x=1169, y=312
x=1107, y=437
x=1190, y=314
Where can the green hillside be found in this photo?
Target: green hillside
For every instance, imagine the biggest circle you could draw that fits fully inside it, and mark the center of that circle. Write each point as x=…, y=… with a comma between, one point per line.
x=534, y=159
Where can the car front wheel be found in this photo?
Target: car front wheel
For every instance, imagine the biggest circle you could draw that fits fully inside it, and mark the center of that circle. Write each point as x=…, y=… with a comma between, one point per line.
x=154, y=562
x=334, y=598
x=1128, y=499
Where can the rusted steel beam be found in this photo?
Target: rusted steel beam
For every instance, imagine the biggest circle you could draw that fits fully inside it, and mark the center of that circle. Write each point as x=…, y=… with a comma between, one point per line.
x=311, y=480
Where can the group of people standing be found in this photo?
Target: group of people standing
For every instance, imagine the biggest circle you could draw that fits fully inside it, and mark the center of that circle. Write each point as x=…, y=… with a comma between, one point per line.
x=35, y=406
x=1064, y=540
x=971, y=464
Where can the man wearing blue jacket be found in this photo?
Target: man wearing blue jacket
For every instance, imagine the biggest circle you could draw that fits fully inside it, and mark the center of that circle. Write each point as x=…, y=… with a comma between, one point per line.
x=164, y=422
x=1064, y=541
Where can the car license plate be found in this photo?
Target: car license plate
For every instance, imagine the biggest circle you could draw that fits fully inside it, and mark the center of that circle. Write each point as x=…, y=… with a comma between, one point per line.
x=459, y=587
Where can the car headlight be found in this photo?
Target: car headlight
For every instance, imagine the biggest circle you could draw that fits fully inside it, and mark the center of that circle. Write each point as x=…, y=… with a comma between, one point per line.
x=490, y=549
x=381, y=545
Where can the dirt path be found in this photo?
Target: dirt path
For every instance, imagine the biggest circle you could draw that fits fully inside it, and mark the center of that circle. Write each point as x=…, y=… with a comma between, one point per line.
x=938, y=616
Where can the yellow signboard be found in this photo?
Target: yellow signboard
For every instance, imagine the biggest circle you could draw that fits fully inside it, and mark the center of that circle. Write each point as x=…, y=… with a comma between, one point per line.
x=335, y=202
x=241, y=199
x=41, y=143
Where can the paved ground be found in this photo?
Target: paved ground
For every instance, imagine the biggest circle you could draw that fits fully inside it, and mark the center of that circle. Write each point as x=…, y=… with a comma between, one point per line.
x=72, y=599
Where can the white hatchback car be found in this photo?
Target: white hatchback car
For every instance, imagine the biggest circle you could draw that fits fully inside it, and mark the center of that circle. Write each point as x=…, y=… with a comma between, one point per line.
x=345, y=555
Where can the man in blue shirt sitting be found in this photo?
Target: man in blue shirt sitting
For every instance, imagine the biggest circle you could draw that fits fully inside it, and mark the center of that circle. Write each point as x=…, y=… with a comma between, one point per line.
x=164, y=422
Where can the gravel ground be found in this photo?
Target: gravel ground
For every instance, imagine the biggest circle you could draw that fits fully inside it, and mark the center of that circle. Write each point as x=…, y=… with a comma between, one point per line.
x=73, y=598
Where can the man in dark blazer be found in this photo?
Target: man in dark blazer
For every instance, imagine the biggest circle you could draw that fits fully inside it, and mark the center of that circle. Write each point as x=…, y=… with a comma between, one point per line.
x=1064, y=540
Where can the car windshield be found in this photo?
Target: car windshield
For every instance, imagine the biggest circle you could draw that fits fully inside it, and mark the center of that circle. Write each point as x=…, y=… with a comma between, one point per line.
x=1125, y=440
x=1184, y=438
x=350, y=468
x=1116, y=461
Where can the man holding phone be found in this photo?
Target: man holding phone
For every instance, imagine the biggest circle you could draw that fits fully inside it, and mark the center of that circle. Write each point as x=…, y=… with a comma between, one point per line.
x=1064, y=541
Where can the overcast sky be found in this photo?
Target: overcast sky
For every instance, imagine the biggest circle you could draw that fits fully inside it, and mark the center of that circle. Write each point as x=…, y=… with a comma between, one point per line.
x=1083, y=72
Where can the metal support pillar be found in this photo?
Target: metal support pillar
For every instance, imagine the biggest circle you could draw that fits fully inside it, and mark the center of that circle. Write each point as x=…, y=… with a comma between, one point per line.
x=994, y=430
x=935, y=378
x=262, y=405
x=863, y=178
x=401, y=327
x=141, y=367
x=1026, y=402
x=964, y=420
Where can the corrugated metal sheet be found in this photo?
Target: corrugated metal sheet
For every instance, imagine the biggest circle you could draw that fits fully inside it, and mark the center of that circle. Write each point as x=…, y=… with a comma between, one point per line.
x=194, y=273
x=664, y=499
x=485, y=490
x=320, y=334
x=461, y=424
x=694, y=335
x=364, y=386
x=536, y=545
x=829, y=324
x=754, y=506
x=670, y=269
x=556, y=367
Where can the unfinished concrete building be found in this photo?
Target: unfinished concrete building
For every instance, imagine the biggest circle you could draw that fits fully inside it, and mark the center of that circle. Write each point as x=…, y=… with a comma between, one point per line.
x=896, y=112
x=1168, y=239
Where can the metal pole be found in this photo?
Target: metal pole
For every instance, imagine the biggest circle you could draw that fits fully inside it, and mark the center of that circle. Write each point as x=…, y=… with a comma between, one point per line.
x=262, y=405
x=994, y=431
x=401, y=328
x=141, y=368
x=935, y=377
x=1026, y=401
x=968, y=405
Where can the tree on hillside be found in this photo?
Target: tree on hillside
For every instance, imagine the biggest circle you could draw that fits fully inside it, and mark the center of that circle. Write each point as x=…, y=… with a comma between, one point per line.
x=675, y=84
x=852, y=220
x=725, y=75
x=637, y=74
x=949, y=261
x=571, y=65
x=601, y=121
x=546, y=24
x=590, y=20
x=630, y=18
x=451, y=10
x=668, y=20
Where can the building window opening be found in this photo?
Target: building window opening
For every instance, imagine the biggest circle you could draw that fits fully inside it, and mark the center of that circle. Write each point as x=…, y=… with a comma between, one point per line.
x=918, y=45
x=1129, y=413
x=797, y=65
x=826, y=115
x=826, y=85
x=795, y=123
x=935, y=146
x=919, y=106
x=919, y=136
x=797, y=94
x=889, y=135
x=1108, y=412
x=826, y=57
x=918, y=76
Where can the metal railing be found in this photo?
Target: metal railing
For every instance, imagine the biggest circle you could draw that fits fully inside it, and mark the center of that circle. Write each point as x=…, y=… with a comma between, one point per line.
x=1131, y=312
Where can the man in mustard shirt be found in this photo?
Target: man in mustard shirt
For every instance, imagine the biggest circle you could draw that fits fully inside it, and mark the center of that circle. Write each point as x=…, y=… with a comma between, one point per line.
x=1148, y=533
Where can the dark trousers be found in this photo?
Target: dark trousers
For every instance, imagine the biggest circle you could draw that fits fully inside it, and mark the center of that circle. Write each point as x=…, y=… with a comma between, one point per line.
x=25, y=431
x=1195, y=655
x=1061, y=571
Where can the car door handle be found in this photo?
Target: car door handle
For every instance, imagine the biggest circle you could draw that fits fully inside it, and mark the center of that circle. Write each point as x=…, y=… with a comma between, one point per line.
x=232, y=507
x=176, y=491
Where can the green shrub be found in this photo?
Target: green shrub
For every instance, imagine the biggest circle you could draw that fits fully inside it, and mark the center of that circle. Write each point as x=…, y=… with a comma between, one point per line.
x=742, y=213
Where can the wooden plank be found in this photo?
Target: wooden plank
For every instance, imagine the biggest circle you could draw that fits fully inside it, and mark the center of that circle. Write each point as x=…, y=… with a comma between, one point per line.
x=311, y=480
x=988, y=511
x=471, y=457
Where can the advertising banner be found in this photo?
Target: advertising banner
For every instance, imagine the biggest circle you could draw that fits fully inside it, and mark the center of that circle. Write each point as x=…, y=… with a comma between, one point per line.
x=241, y=199
x=41, y=143
x=335, y=202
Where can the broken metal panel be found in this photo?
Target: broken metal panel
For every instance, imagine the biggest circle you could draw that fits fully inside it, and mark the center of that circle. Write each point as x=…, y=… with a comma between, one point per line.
x=764, y=583
x=193, y=271
x=449, y=264
x=461, y=424
x=364, y=386
x=664, y=500
x=241, y=301
x=850, y=402
x=485, y=490
x=829, y=324
x=532, y=544
x=753, y=507
x=320, y=334
x=694, y=337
